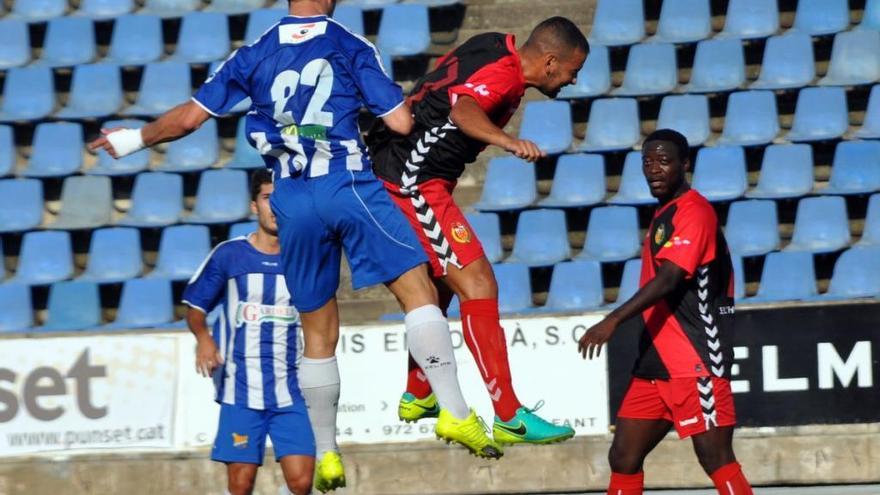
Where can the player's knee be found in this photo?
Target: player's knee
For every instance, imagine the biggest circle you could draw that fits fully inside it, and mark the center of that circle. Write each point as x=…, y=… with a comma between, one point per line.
x=624, y=461
x=299, y=483
x=241, y=483
x=480, y=283
x=713, y=459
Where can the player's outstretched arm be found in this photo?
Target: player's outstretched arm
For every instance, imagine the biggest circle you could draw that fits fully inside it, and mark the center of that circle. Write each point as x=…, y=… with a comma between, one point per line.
x=208, y=357
x=470, y=118
x=669, y=275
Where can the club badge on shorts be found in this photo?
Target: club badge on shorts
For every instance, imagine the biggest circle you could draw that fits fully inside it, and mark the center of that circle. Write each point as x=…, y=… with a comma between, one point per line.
x=460, y=233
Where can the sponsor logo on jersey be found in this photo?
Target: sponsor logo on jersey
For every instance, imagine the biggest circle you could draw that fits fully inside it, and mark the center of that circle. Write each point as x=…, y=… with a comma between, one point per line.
x=254, y=314
x=239, y=441
x=295, y=34
x=677, y=241
x=460, y=233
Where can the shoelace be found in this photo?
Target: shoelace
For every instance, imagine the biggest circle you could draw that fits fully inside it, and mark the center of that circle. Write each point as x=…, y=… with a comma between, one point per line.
x=537, y=406
x=474, y=432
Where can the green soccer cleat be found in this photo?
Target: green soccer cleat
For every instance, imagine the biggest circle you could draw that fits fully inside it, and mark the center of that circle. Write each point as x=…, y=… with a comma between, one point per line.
x=528, y=427
x=329, y=473
x=471, y=433
x=412, y=409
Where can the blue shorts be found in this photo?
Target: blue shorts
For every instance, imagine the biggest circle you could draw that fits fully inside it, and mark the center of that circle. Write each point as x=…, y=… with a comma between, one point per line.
x=241, y=433
x=319, y=217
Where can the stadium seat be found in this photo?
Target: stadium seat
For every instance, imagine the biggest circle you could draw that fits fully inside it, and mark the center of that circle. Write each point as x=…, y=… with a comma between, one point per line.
x=435, y=3
x=618, y=22
x=687, y=114
x=127, y=165
x=15, y=43
x=719, y=65
x=514, y=288
x=114, y=256
x=683, y=21
x=739, y=282
x=38, y=10
x=820, y=114
x=373, y=4
x=541, y=238
x=594, y=78
x=164, y=85
x=245, y=156
x=871, y=15
x=788, y=62
x=7, y=151
x=748, y=19
x=136, y=40
x=633, y=189
x=234, y=6
x=21, y=204
x=752, y=227
x=350, y=16
x=105, y=9
x=56, y=151
x=242, y=229
x=856, y=168
x=510, y=185
x=856, y=274
x=259, y=21
x=751, y=119
x=720, y=173
x=196, y=151
x=786, y=172
x=650, y=70
x=871, y=232
x=579, y=180
x=72, y=305
x=786, y=277
x=156, y=200
x=45, y=257
x=28, y=94
x=404, y=30
x=871, y=124
x=614, y=125
x=575, y=286
x=629, y=282
x=69, y=41
x=819, y=17
x=144, y=303
x=16, y=312
x=204, y=37
x=547, y=124
x=855, y=59
x=222, y=197
x=170, y=8
x=96, y=91
x=182, y=249
x=86, y=203
x=612, y=234
x=821, y=225
x=488, y=229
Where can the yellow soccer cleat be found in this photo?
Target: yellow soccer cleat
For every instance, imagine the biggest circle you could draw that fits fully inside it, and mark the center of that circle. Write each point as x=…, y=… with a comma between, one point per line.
x=470, y=432
x=412, y=409
x=329, y=473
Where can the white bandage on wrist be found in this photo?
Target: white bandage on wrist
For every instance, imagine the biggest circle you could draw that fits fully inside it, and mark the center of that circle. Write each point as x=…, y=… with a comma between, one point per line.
x=126, y=141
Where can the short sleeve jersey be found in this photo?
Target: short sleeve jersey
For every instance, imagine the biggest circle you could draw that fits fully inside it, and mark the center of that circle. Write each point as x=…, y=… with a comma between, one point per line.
x=256, y=329
x=307, y=78
x=687, y=334
x=486, y=68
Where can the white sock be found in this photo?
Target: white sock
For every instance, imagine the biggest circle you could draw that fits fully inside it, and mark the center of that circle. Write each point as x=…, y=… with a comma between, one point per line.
x=319, y=381
x=430, y=343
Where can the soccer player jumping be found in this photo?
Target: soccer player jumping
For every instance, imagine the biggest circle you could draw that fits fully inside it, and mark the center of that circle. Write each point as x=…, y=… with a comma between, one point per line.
x=682, y=376
x=460, y=108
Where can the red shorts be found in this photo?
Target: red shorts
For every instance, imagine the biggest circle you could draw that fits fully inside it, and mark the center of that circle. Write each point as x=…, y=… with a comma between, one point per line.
x=693, y=405
x=441, y=227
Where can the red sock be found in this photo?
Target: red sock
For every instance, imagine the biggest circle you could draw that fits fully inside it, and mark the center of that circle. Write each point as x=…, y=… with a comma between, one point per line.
x=626, y=484
x=485, y=338
x=730, y=480
x=416, y=382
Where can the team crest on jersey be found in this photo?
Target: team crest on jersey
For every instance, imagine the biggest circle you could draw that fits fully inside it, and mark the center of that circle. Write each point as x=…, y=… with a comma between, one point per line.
x=254, y=314
x=239, y=441
x=660, y=235
x=460, y=233
x=295, y=34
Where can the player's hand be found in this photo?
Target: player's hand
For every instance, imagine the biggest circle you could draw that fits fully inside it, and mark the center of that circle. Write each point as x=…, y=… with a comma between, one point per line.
x=207, y=357
x=596, y=337
x=525, y=149
x=103, y=144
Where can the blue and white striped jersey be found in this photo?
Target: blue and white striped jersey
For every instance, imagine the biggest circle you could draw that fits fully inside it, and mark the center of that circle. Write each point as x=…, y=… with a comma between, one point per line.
x=256, y=331
x=307, y=78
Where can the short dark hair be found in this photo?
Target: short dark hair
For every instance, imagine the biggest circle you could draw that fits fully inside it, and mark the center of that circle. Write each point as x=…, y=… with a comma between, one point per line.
x=559, y=32
x=258, y=178
x=674, y=137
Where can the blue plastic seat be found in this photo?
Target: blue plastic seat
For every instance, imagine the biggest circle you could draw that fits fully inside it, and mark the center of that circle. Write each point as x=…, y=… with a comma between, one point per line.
x=164, y=85
x=594, y=78
x=720, y=173
x=222, y=197
x=182, y=249
x=28, y=94
x=752, y=227
x=719, y=65
x=683, y=21
x=7, y=151
x=575, y=286
x=156, y=200
x=579, y=180
x=245, y=156
x=196, y=151
x=114, y=256
x=618, y=22
x=144, y=303
x=73, y=306
x=855, y=59
x=16, y=312
x=260, y=20
x=127, y=165
x=21, y=204
x=751, y=119
x=170, y=8
x=136, y=40
x=786, y=277
x=350, y=16
x=612, y=234
x=404, y=30
x=373, y=4
x=739, y=281
x=871, y=231
x=488, y=229
x=650, y=70
x=821, y=225
x=856, y=274
x=105, y=9
x=510, y=185
x=56, y=151
x=15, y=43
x=547, y=124
x=242, y=229
x=541, y=238
x=514, y=288
x=788, y=62
x=871, y=15
x=633, y=188
x=819, y=17
x=748, y=19
x=629, y=282
x=45, y=257
x=86, y=203
x=204, y=37
x=786, y=172
x=856, y=168
x=234, y=6
x=38, y=10
x=871, y=125
x=687, y=114
x=614, y=125
x=96, y=91
x=820, y=114
x=69, y=41
x=436, y=3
